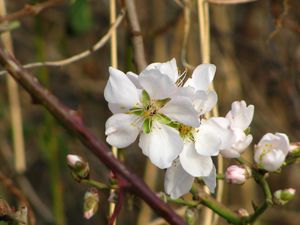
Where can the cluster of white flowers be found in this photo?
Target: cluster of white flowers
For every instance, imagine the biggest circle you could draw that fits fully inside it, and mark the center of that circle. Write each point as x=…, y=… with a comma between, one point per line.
x=168, y=115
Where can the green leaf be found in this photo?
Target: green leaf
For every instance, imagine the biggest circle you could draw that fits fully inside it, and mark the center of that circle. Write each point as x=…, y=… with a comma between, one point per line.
x=80, y=16
x=145, y=98
x=147, y=125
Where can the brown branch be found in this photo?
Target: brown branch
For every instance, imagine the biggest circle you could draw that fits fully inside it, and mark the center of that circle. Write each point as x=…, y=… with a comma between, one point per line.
x=31, y=10
x=73, y=122
x=137, y=39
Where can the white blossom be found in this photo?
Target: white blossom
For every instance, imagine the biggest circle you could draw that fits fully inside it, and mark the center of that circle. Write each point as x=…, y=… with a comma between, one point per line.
x=271, y=151
x=146, y=105
x=240, y=117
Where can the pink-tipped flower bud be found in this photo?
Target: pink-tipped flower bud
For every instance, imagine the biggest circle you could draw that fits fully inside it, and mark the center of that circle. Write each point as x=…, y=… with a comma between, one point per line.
x=80, y=168
x=91, y=202
x=294, y=147
x=281, y=197
x=236, y=174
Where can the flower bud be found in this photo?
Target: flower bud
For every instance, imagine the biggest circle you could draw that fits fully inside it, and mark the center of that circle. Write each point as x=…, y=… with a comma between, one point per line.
x=80, y=168
x=236, y=174
x=91, y=202
x=294, y=147
x=271, y=151
x=281, y=197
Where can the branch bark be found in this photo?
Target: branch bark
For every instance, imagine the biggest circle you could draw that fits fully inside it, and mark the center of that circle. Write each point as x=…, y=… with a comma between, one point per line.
x=137, y=39
x=71, y=120
x=31, y=10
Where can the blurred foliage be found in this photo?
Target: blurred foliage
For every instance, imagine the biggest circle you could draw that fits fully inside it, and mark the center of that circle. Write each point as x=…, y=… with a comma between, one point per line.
x=80, y=16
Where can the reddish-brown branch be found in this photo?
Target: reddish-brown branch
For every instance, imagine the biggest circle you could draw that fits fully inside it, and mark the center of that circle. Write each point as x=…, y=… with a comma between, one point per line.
x=73, y=122
x=31, y=10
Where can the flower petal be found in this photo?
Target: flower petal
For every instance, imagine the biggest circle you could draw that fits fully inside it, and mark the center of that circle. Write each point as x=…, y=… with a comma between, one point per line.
x=207, y=143
x=194, y=163
x=157, y=85
x=134, y=78
x=162, y=145
x=122, y=129
x=240, y=114
x=273, y=160
x=120, y=90
x=213, y=135
x=202, y=76
x=168, y=68
x=211, y=180
x=177, y=181
x=204, y=101
x=181, y=109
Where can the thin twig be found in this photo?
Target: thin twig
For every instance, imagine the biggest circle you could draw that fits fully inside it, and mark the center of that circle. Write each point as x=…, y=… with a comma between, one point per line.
x=73, y=123
x=137, y=39
x=31, y=10
x=279, y=21
x=81, y=55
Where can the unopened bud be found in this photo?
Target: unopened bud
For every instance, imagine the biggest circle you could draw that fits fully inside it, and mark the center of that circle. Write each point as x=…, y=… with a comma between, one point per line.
x=237, y=174
x=80, y=168
x=281, y=197
x=242, y=212
x=91, y=202
x=294, y=147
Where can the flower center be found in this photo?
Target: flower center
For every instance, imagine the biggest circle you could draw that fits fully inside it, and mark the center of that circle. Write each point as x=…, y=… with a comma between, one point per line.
x=150, y=109
x=186, y=132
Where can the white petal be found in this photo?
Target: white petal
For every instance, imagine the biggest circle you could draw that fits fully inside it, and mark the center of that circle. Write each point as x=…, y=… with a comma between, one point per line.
x=157, y=85
x=207, y=143
x=194, y=163
x=204, y=101
x=122, y=129
x=213, y=135
x=284, y=142
x=273, y=160
x=202, y=76
x=115, y=108
x=120, y=90
x=134, y=78
x=240, y=114
x=162, y=145
x=238, y=147
x=168, y=68
x=211, y=180
x=181, y=109
x=177, y=181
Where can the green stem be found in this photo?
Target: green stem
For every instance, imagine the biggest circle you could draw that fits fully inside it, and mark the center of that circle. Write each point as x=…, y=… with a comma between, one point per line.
x=181, y=201
x=98, y=185
x=260, y=210
x=265, y=186
x=211, y=203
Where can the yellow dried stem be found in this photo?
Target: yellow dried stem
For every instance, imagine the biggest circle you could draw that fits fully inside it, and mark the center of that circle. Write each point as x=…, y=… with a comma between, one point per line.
x=14, y=104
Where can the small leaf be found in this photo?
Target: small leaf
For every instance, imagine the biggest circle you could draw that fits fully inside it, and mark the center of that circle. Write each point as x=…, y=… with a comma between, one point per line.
x=145, y=97
x=147, y=125
x=163, y=119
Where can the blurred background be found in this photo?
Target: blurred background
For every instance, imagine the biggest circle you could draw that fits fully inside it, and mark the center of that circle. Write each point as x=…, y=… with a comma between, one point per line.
x=255, y=46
